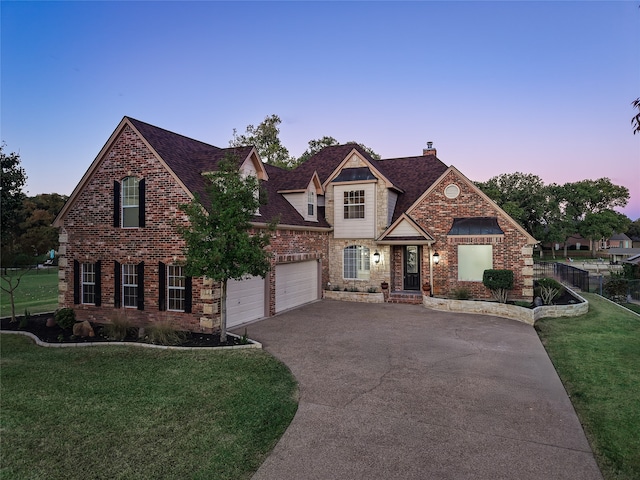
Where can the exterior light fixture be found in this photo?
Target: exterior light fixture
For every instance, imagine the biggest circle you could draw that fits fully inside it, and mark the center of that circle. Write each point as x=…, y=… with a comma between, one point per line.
x=436, y=258
x=376, y=257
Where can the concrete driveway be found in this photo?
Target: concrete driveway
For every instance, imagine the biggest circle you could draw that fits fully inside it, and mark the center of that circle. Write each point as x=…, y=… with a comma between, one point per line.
x=399, y=391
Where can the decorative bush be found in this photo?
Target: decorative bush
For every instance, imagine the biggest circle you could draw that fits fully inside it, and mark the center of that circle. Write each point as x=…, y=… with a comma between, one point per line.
x=616, y=289
x=549, y=289
x=65, y=318
x=119, y=327
x=164, y=334
x=461, y=293
x=499, y=282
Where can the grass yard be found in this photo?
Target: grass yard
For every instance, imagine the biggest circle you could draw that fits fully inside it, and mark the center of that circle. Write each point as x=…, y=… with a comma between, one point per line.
x=37, y=292
x=138, y=413
x=597, y=357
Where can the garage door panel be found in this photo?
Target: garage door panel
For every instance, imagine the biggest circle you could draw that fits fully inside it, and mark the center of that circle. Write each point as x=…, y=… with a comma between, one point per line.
x=245, y=300
x=296, y=284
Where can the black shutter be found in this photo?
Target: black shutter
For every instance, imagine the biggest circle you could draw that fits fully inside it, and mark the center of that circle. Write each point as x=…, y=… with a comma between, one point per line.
x=162, y=286
x=117, y=290
x=76, y=282
x=98, y=299
x=116, y=204
x=187, y=294
x=141, y=286
x=141, y=189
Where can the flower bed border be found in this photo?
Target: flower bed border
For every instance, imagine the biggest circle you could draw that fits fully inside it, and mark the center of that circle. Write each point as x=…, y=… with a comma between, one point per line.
x=514, y=312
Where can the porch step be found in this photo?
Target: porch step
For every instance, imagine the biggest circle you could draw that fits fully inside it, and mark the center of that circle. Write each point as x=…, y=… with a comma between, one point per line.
x=414, y=298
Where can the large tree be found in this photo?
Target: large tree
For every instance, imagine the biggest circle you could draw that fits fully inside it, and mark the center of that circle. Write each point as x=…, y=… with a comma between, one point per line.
x=523, y=196
x=635, y=120
x=220, y=243
x=602, y=224
x=11, y=196
x=11, y=199
x=265, y=137
x=579, y=199
x=39, y=212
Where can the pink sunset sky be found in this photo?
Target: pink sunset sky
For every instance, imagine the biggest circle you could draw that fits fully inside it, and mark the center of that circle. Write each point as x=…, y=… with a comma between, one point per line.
x=499, y=87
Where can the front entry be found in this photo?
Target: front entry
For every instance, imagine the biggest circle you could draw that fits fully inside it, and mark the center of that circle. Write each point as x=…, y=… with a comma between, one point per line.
x=411, y=267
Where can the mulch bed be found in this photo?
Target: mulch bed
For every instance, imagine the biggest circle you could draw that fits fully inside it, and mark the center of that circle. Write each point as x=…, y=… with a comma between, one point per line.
x=37, y=326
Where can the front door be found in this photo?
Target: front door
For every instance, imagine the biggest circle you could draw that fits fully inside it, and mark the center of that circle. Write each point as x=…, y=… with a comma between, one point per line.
x=411, y=267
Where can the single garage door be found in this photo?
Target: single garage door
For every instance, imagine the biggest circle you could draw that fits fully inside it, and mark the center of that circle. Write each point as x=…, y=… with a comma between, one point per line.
x=296, y=284
x=245, y=300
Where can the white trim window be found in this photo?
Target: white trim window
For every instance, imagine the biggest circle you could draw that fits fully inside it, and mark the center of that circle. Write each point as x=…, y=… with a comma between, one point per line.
x=311, y=203
x=354, y=204
x=130, y=203
x=88, y=284
x=356, y=262
x=176, y=283
x=130, y=286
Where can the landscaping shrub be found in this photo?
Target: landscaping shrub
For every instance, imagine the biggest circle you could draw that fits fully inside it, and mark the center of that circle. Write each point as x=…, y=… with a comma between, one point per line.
x=499, y=282
x=461, y=294
x=164, y=334
x=549, y=289
x=616, y=288
x=119, y=327
x=65, y=318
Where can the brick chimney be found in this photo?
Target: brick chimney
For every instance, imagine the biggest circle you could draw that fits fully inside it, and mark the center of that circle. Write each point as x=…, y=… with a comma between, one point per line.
x=429, y=150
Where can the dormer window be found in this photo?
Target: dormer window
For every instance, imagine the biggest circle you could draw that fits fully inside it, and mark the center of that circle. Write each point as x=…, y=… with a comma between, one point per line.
x=311, y=203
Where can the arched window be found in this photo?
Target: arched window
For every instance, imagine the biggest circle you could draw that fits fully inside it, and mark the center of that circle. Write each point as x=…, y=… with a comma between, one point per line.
x=356, y=262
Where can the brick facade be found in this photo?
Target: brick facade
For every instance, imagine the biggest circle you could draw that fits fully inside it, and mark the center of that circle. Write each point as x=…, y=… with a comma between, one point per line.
x=87, y=235
x=435, y=213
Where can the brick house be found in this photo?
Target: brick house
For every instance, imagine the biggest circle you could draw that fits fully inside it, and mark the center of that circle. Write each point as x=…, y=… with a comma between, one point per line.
x=345, y=219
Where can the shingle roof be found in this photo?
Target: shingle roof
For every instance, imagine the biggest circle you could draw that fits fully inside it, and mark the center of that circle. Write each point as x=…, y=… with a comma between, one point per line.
x=414, y=175
x=189, y=158
x=411, y=175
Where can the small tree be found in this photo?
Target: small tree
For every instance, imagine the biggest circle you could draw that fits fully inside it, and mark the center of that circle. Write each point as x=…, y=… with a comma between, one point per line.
x=499, y=282
x=219, y=243
x=549, y=289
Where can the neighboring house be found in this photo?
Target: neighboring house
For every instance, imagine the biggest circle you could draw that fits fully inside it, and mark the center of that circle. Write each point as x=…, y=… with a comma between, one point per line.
x=345, y=221
x=619, y=240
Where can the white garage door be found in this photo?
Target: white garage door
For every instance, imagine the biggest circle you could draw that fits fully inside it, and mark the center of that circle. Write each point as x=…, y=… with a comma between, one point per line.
x=296, y=284
x=245, y=300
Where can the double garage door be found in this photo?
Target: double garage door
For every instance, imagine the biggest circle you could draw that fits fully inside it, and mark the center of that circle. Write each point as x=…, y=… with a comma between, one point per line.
x=296, y=284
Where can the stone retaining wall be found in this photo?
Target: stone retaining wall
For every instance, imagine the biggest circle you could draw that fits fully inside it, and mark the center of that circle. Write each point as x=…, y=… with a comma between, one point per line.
x=521, y=314
x=363, y=297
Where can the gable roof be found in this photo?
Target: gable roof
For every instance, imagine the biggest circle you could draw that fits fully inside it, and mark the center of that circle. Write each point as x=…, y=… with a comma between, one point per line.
x=186, y=159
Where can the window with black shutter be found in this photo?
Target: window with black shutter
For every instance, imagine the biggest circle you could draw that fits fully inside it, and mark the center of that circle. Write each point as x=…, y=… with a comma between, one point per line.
x=162, y=286
x=76, y=282
x=117, y=292
x=140, y=271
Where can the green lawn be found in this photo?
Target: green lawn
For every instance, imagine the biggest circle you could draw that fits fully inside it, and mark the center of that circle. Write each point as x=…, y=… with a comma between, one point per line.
x=37, y=292
x=597, y=357
x=137, y=413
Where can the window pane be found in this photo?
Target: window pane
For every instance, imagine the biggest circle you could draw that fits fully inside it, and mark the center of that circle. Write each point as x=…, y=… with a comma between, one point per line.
x=130, y=286
x=354, y=204
x=175, y=288
x=88, y=283
x=356, y=262
x=473, y=260
x=130, y=216
x=130, y=202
